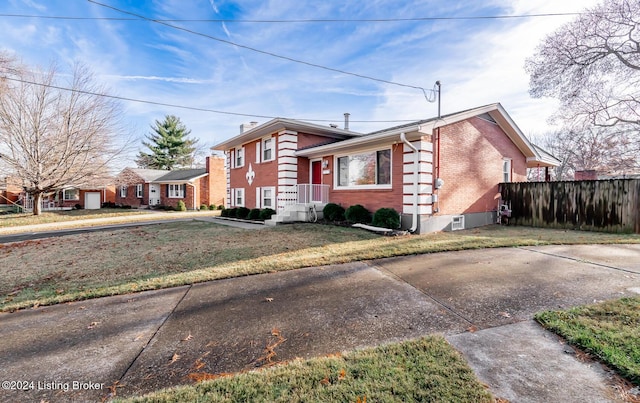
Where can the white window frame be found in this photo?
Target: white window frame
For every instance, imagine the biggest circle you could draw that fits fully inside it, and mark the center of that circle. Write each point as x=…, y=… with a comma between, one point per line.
x=263, y=197
x=506, y=170
x=176, y=190
x=239, y=157
x=139, y=190
x=76, y=191
x=239, y=198
x=123, y=191
x=270, y=148
x=336, y=170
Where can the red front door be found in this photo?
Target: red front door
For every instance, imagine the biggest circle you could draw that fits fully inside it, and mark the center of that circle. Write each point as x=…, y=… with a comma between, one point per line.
x=316, y=179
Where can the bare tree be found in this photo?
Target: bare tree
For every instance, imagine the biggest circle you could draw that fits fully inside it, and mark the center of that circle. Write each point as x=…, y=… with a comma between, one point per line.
x=55, y=134
x=592, y=65
x=587, y=147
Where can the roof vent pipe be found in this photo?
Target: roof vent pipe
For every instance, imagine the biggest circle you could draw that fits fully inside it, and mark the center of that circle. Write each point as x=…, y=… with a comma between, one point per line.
x=346, y=121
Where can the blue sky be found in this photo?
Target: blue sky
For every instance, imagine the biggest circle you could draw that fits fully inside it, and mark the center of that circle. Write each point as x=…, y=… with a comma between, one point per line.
x=477, y=61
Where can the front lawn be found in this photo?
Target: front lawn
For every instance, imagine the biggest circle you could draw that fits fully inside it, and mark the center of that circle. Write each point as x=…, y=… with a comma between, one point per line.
x=19, y=219
x=423, y=370
x=609, y=331
x=75, y=267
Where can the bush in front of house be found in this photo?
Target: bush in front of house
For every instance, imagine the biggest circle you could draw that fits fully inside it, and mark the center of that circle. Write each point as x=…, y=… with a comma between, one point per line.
x=181, y=206
x=386, y=218
x=333, y=212
x=266, y=214
x=231, y=213
x=204, y=207
x=357, y=214
x=221, y=207
x=78, y=206
x=212, y=207
x=242, y=212
x=254, y=214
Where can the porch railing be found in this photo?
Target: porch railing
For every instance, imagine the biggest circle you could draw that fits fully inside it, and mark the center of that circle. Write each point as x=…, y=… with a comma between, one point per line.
x=304, y=193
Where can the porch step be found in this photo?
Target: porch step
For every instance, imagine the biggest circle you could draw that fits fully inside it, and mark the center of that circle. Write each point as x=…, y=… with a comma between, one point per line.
x=295, y=213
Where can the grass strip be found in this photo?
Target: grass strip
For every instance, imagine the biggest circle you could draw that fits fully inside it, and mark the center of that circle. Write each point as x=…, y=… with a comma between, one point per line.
x=422, y=370
x=609, y=331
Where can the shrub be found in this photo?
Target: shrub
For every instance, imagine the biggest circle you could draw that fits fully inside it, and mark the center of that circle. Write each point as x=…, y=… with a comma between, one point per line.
x=386, y=218
x=78, y=206
x=204, y=207
x=167, y=208
x=212, y=207
x=221, y=207
x=242, y=212
x=232, y=212
x=358, y=214
x=333, y=212
x=267, y=213
x=126, y=207
x=224, y=213
x=108, y=204
x=181, y=206
x=254, y=214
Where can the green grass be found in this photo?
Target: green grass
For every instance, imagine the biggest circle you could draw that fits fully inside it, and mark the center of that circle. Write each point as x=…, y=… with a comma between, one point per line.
x=77, y=267
x=609, y=331
x=423, y=370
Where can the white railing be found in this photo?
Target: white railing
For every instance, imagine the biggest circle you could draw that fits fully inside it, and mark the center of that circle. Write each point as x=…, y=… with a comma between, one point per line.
x=304, y=193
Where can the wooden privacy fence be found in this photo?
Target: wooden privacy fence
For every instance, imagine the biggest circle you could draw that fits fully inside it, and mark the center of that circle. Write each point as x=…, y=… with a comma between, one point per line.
x=602, y=205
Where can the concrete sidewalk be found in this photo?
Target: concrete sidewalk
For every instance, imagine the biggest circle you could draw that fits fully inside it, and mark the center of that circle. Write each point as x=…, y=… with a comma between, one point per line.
x=483, y=302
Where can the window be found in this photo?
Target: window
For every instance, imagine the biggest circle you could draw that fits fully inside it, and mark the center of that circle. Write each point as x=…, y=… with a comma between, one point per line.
x=506, y=170
x=267, y=149
x=239, y=198
x=139, y=188
x=239, y=157
x=71, y=194
x=123, y=191
x=366, y=169
x=176, y=191
x=267, y=197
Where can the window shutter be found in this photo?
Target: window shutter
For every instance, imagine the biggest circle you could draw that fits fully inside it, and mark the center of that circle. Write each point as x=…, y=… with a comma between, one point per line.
x=167, y=190
x=233, y=198
x=258, y=198
x=184, y=190
x=233, y=159
x=258, y=152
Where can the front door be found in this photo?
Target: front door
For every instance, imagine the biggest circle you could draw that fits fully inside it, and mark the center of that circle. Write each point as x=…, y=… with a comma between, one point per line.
x=316, y=181
x=154, y=194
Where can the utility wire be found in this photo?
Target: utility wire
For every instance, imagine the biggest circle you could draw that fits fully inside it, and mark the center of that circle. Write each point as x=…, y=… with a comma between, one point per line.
x=287, y=58
x=192, y=108
x=310, y=20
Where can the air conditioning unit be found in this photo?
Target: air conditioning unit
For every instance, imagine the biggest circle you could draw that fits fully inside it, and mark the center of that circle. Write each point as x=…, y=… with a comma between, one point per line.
x=457, y=223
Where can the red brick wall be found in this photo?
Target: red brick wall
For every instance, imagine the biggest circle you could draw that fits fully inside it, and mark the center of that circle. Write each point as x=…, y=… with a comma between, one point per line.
x=266, y=173
x=173, y=202
x=214, y=185
x=587, y=175
x=471, y=158
x=371, y=199
x=131, y=199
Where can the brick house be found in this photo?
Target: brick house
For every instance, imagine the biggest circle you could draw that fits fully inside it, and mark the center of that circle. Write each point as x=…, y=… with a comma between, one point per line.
x=152, y=187
x=440, y=173
x=87, y=197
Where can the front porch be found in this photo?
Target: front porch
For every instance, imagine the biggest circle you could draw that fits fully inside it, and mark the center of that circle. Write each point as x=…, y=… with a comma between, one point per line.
x=300, y=203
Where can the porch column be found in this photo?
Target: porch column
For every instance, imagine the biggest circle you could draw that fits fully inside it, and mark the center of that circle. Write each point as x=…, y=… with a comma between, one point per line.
x=425, y=178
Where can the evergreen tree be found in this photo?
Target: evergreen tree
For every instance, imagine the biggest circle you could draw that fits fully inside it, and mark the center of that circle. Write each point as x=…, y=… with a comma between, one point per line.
x=169, y=145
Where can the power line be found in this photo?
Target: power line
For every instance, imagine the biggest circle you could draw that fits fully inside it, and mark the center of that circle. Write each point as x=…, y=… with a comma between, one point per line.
x=287, y=58
x=310, y=20
x=192, y=108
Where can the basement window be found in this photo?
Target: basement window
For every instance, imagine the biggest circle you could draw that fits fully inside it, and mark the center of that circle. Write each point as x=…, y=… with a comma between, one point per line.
x=457, y=223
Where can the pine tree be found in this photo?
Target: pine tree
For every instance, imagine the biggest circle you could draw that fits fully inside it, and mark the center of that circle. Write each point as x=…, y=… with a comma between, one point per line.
x=169, y=145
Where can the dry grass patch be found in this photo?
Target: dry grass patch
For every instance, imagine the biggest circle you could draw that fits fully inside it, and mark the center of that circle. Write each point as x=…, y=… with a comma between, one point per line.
x=20, y=219
x=423, y=370
x=122, y=261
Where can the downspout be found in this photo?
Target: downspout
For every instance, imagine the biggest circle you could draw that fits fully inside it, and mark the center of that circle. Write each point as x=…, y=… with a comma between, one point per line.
x=194, y=195
x=414, y=225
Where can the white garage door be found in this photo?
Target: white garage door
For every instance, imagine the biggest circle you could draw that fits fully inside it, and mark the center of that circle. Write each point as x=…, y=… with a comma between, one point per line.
x=92, y=200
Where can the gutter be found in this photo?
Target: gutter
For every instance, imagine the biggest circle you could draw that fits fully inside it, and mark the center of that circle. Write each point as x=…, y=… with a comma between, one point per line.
x=414, y=225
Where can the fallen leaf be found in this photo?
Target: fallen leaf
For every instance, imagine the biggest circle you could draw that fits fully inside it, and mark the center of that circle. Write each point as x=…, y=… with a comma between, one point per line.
x=92, y=325
x=205, y=376
x=189, y=337
x=505, y=314
x=175, y=358
x=342, y=374
x=325, y=381
x=472, y=329
x=269, y=299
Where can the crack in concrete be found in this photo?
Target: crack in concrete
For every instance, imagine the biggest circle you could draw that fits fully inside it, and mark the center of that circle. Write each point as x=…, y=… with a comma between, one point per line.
x=578, y=260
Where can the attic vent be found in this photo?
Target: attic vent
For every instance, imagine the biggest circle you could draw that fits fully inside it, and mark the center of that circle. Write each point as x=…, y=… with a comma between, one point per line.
x=457, y=223
x=487, y=117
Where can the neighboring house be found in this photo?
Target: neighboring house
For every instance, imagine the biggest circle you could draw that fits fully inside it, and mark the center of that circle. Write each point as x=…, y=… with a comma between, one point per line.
x=441, y=173
x=90, y=197
x=10, y=190
x=593, y=174
x=152, y=187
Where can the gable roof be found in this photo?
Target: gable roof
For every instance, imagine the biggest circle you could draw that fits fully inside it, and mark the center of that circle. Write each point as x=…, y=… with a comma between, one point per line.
x=149, y=175
x=493, y=112
x=182, y=175
x=279, y=124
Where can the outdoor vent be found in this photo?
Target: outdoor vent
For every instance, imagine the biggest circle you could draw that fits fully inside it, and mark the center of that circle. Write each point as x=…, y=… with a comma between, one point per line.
x=457, y=223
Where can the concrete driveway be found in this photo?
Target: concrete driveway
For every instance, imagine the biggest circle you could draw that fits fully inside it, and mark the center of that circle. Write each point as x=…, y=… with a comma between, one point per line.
x=483, y=302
